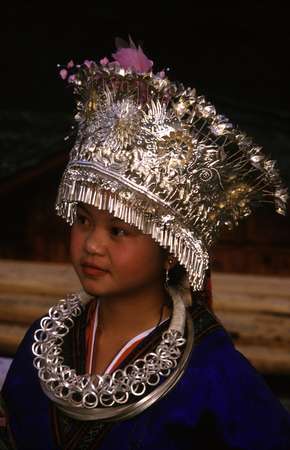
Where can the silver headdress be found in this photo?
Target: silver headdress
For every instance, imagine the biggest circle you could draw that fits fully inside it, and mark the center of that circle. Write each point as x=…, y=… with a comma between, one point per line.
x=161, y=158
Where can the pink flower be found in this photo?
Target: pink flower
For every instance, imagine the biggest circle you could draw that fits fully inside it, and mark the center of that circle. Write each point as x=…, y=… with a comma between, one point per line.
x=70, y=64
x=133, y=58
x=88, y=63
x=104, y=61
x=161, y=74
x=63, y=73
x=71, y=78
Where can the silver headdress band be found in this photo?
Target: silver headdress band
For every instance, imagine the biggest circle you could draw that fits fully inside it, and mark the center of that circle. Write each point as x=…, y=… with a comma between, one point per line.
x=159, y=157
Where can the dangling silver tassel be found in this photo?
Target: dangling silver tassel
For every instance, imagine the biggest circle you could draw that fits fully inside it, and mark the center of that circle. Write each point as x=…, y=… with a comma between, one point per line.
x=192, y=257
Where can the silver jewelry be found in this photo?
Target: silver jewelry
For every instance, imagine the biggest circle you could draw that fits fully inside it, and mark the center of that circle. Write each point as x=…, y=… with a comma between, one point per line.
x=167, y=278
x=91, y=397
x=162, y=158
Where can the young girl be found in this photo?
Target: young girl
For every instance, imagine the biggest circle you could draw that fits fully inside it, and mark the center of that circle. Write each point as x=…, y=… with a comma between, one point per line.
x=136, y=360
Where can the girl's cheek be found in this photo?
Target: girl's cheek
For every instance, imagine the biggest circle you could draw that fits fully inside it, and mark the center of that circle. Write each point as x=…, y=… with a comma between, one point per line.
x=76, y=243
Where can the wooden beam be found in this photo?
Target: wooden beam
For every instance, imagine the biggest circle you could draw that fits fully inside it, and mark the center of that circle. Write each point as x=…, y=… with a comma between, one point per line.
x=255, y=310
x=10, y=337
x=270, y=361
x=24, y=308
x=25, y=277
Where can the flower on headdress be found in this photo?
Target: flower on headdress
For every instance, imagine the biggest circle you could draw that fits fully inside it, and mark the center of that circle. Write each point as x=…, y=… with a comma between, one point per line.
x=104, y=61
x=63, y=73
x=70, y=64
x=72, y=78
x=88, y=63
x=133, y=58
x=161, y=75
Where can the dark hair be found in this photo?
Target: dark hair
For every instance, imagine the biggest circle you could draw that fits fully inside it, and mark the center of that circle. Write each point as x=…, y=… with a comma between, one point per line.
x=176, y=278
x=176, y=275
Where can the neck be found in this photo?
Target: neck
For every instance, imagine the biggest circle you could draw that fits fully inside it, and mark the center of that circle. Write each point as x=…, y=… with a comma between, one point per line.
x=132, y=313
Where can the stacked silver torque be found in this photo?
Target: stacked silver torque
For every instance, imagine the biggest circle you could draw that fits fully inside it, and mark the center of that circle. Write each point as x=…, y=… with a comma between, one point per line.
x=108, y=396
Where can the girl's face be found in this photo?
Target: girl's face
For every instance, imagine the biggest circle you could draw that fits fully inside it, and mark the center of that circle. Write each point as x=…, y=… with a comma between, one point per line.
x=112, y=257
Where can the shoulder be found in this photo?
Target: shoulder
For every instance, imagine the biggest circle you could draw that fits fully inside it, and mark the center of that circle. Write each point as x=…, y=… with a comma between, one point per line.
x=210, y=337
x=225, y=385
x=215, y=355
x=27, y=406
x=21, y=368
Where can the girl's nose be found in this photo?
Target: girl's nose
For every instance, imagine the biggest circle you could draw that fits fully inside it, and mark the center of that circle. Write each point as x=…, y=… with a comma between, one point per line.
x=96, y=241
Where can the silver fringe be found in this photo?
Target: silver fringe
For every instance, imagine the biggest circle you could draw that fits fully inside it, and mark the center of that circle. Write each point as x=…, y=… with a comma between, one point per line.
x=183, y=245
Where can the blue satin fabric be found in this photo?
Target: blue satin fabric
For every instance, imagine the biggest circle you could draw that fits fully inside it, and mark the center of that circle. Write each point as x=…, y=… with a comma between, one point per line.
x=221, y=402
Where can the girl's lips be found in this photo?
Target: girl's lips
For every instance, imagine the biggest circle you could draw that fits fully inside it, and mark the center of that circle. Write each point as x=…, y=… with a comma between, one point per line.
x=92, y=270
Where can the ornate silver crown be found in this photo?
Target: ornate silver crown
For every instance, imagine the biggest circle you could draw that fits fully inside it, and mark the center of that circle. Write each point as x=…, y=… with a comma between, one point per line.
x=160, y=157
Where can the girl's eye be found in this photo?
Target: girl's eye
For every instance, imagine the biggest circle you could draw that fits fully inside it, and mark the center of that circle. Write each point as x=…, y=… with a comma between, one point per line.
x=81, y=219
x=116, y=231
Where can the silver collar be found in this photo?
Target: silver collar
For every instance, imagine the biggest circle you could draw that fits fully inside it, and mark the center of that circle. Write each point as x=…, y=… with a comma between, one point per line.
x=109, y=396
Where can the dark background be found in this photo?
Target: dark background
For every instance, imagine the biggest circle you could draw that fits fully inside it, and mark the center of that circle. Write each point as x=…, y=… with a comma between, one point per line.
x=237, y=50
x=235, y=53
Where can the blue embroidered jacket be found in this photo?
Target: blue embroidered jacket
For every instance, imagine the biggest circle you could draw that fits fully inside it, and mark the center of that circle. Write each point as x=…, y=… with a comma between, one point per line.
x=220, y=403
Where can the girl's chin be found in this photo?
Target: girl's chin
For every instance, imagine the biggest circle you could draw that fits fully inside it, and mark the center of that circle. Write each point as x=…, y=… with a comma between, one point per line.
x=107, y=288
x=95, y=289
